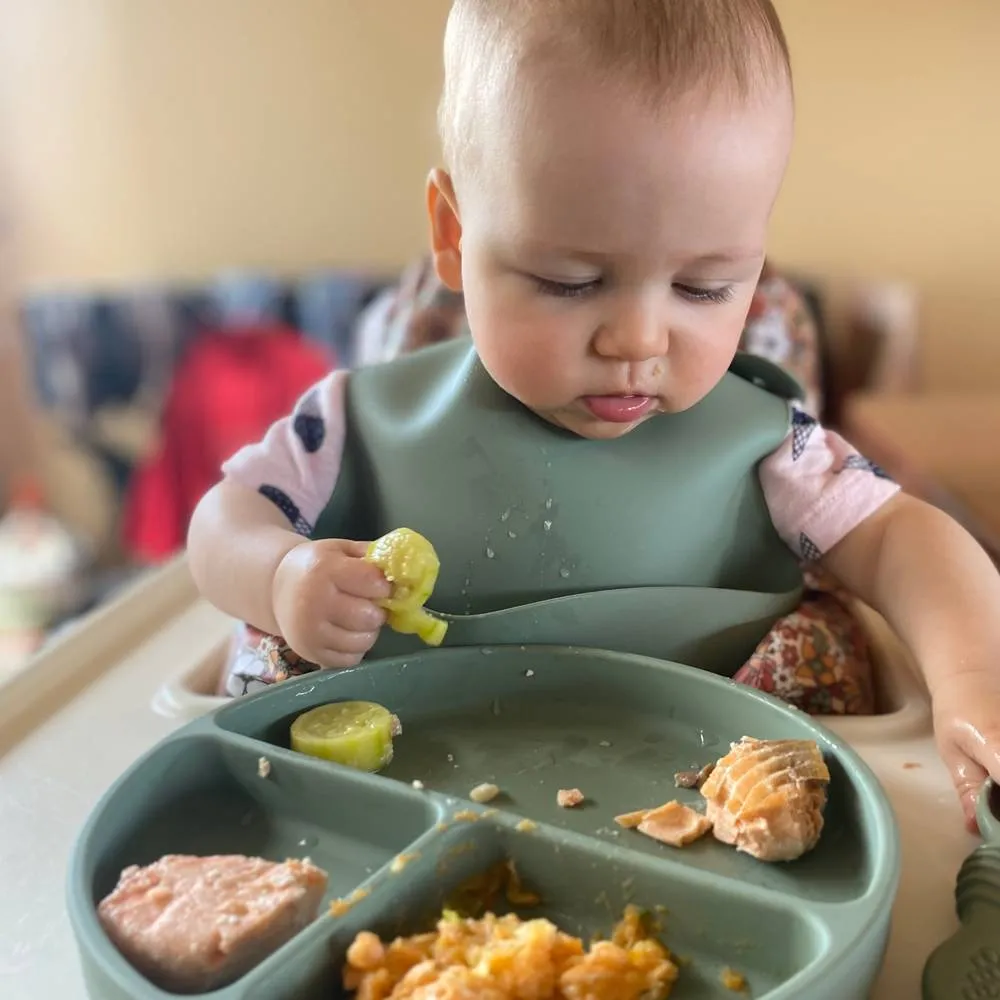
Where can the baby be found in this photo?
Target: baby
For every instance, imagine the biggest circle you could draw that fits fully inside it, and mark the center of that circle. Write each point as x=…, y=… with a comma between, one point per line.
x=599, y=466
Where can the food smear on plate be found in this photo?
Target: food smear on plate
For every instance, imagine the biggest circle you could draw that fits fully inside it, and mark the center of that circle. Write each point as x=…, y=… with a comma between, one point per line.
x=341, y=906
x=356, y=734
x=194, y=924
x=497, y=886
x=569, y=798
x=766, y=797
x=507, y=958
x=674, y=824
x=400, y=861
x=734, y=981
x=410, y=564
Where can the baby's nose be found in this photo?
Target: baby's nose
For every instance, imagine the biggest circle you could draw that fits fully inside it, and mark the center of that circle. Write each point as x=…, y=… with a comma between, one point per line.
x=638, y=332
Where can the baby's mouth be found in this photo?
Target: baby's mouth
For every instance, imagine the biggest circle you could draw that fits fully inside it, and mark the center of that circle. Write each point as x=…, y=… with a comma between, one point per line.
x=623, y=409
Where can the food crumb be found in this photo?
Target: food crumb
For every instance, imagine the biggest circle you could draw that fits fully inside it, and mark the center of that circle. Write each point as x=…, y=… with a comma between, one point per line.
x=263, y=767
x=605, y=744
x=417, y=784
x=340, y=906
x=526, y=826
x=451, y=758
x=466, y=816
x=911, y=765
x=529, y=673
x=486, y=792
x=693, y=779
x=400, y=861
x=569, y=798
x=734, y=981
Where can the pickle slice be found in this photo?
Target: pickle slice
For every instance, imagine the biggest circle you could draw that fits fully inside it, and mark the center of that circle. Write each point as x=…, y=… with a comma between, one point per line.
x=353, y=733
x=411, y=565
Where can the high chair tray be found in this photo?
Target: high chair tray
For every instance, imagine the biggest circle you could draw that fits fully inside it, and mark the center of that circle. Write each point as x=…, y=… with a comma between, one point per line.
x=532, y=720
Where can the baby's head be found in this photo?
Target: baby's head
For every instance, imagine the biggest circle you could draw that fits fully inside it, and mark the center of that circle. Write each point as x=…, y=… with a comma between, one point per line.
x=611, y=169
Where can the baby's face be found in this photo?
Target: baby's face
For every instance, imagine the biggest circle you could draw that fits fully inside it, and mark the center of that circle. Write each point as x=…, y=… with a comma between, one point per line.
x=609, y=254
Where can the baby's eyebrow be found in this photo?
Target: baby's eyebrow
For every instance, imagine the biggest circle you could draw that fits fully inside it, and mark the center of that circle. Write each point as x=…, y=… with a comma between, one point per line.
x=736, y=256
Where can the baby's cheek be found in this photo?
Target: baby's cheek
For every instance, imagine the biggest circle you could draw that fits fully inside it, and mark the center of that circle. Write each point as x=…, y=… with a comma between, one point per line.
x=516, y=367
x=699, y=363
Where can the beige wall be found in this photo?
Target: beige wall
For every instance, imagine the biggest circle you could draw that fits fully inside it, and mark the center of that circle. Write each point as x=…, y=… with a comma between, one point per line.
x=896, y=169
x=155, y=137
x=173, y=137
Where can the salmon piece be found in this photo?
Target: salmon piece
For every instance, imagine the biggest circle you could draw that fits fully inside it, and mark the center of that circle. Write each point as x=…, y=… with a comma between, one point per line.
x=674, y=824
x=766, y=797
x=631, y=820
x=192, y=924
x=569, y=798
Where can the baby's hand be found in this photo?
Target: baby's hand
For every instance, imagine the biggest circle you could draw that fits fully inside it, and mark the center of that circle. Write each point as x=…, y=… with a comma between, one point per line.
x=967, y=727
x=324, y=596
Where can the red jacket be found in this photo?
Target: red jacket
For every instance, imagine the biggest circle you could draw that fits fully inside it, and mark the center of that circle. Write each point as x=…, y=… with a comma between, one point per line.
x=229, y=388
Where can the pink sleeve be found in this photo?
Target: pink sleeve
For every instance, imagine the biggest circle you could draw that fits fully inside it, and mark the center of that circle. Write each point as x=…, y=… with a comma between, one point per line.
x=297, y=463
x=818, y=488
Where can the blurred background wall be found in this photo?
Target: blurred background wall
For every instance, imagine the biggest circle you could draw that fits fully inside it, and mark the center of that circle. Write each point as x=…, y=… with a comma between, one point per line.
x=152, y=139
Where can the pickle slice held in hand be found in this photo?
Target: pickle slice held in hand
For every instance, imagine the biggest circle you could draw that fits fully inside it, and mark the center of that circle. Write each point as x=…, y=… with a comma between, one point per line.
x=411, y=565
x=353, y=733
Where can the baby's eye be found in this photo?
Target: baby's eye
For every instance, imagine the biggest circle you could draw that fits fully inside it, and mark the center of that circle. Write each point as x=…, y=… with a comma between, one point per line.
x=713, y=295
x=566, y=289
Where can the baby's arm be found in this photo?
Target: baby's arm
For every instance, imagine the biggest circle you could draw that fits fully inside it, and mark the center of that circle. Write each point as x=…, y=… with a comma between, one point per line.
x=236, y=542
x=941, y=593
x=249, y=547
x=913, y=564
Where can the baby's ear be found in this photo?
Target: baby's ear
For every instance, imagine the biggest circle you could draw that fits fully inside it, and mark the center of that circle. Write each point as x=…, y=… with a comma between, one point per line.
x=446, y=229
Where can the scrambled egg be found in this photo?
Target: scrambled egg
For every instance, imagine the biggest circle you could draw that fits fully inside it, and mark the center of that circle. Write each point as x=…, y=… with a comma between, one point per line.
x=507, y=958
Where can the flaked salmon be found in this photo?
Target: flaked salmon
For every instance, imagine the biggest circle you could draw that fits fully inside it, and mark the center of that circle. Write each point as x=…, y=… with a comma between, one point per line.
x=674, y=824
x=766, y=797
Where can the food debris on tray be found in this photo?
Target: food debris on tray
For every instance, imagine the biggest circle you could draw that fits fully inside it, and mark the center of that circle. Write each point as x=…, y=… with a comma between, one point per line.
x=263, y=767
x=733, y=980
x=505, y=957
x=486, y=792
x=400, y=861
x=693, y=779
x=194, y=924
x=674, y=824
x=341, y=906
x=569, y=798
x=631, y=820
x=497, y=886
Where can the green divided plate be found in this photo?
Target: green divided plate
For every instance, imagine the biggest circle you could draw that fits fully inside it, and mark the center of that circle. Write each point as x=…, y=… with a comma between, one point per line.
x=532, y=720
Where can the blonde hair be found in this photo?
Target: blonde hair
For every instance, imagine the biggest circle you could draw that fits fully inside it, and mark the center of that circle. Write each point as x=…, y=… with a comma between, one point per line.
x=666, y=47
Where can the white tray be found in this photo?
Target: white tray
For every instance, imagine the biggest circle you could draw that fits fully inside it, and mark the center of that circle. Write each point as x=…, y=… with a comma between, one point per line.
x=126, y=676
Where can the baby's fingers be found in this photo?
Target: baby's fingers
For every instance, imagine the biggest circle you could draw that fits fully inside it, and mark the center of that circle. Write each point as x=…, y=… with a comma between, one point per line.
x=972, y=756
x=362, y=579
x=968, y=777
